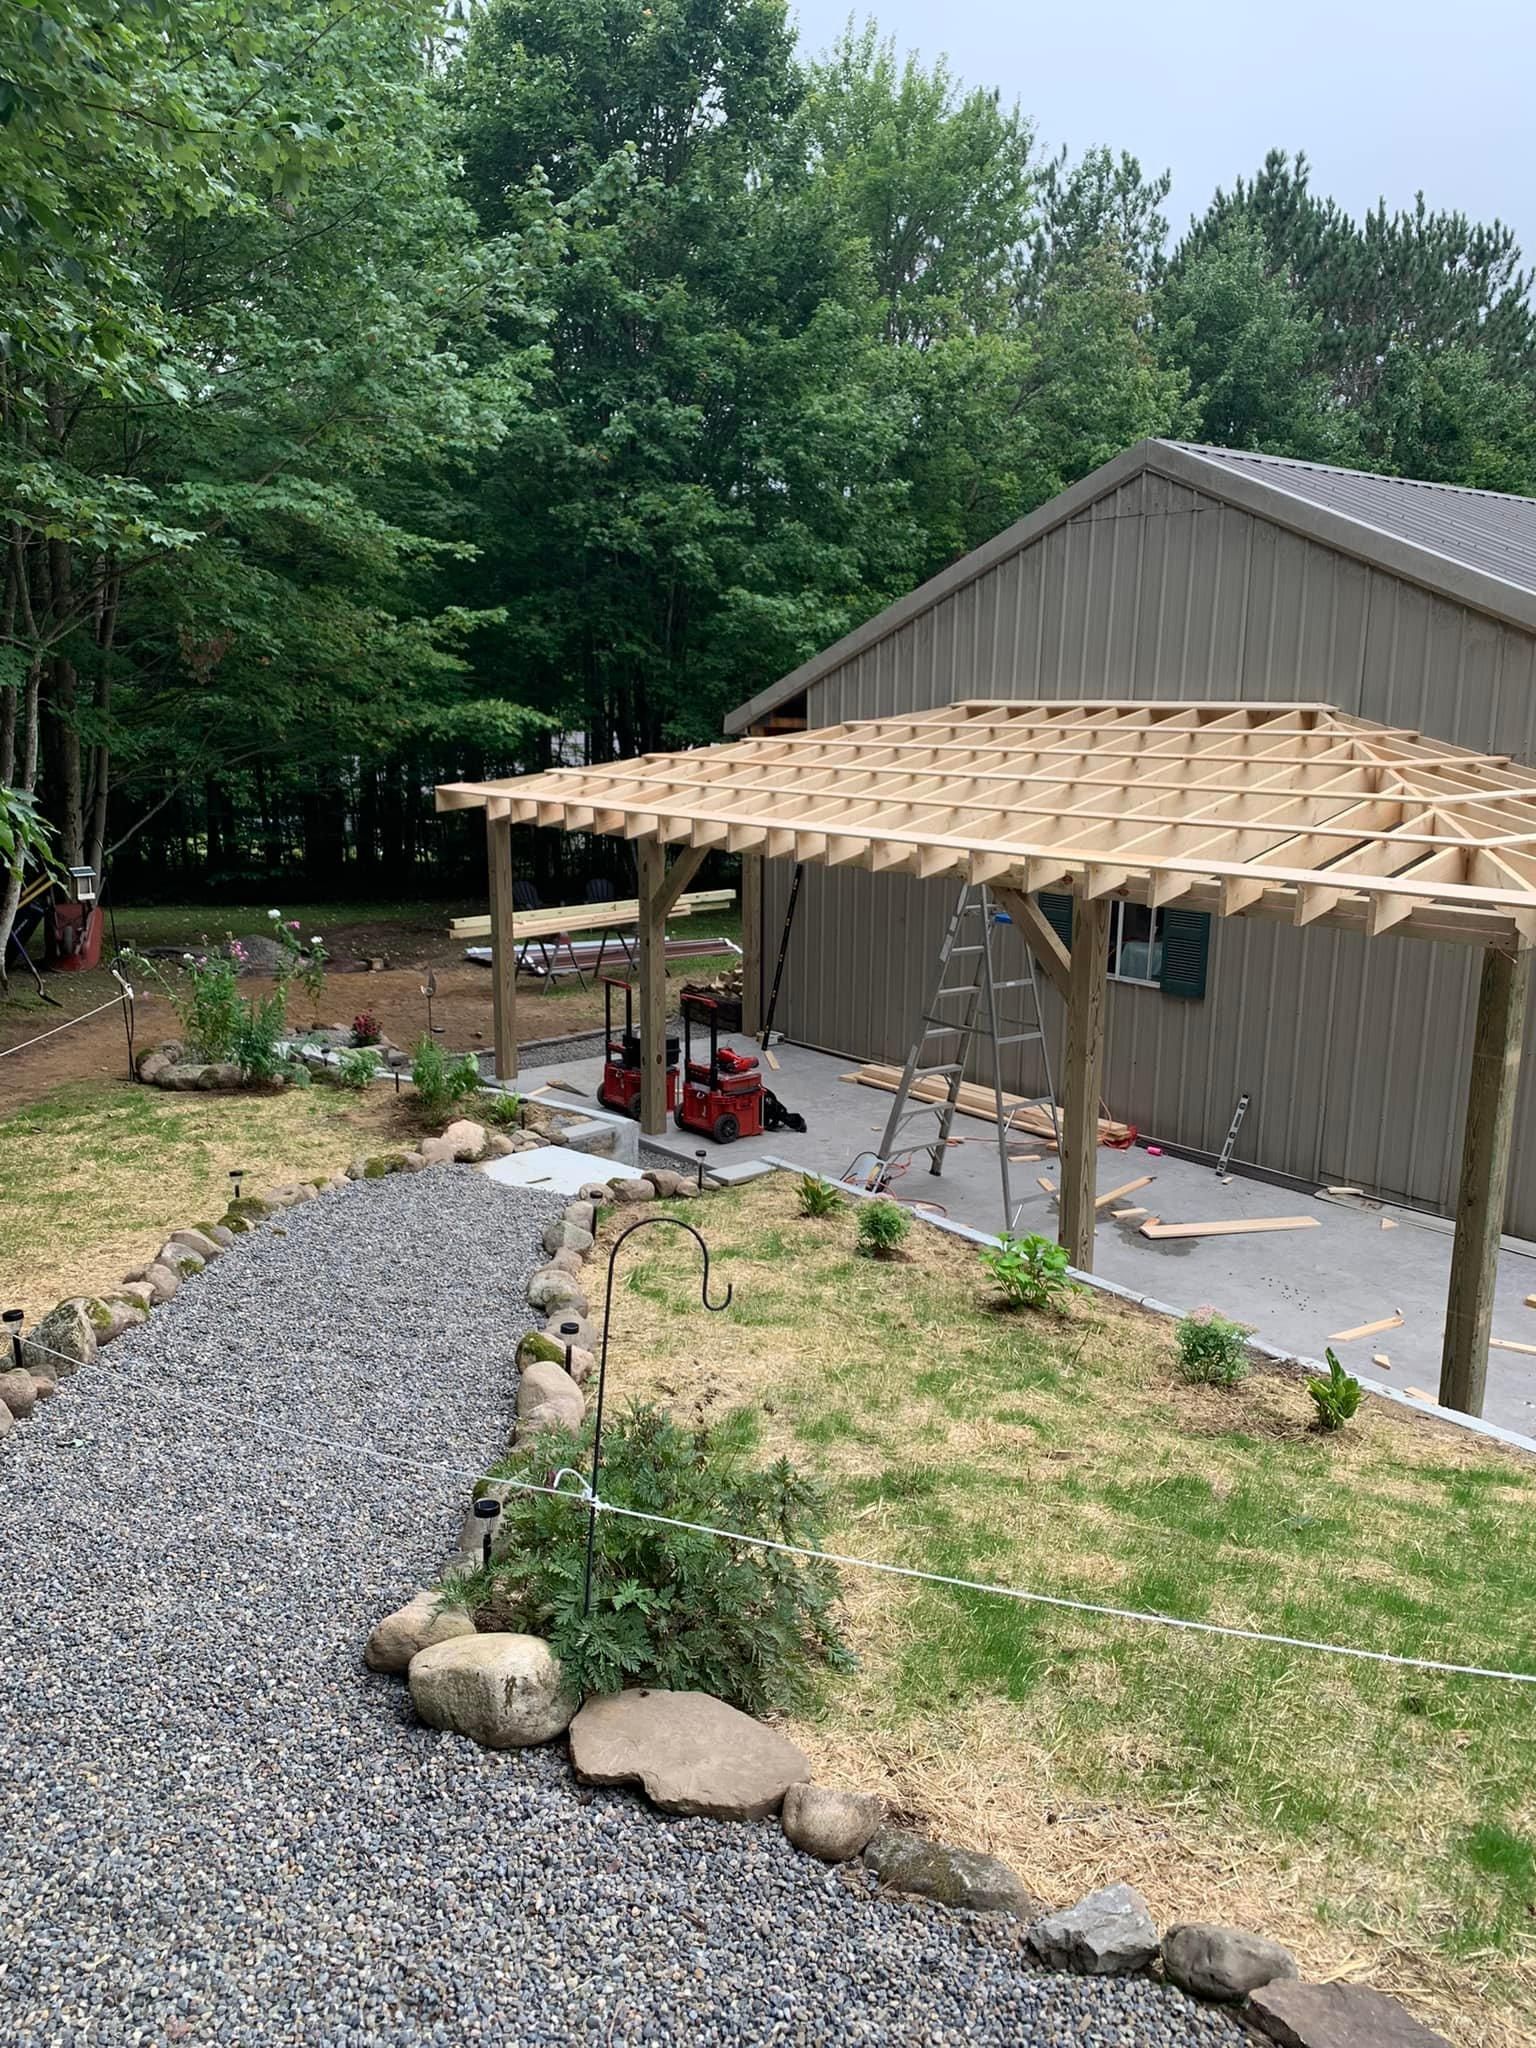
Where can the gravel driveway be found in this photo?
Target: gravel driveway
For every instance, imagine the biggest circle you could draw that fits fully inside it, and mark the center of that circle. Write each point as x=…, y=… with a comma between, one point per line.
x=216, y=1827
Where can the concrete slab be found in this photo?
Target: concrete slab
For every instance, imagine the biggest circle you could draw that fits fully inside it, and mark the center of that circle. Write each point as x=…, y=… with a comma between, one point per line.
x=1297, y=1289
x=556, y=1169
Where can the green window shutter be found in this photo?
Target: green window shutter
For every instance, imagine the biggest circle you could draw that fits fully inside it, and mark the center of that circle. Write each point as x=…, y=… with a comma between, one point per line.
x=1057, y=912
x=1186, y=943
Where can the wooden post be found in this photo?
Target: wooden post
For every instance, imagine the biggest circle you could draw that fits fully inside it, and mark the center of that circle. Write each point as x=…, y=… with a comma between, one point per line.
x=751, y=944
x=1485, y=1150
x=498, y=853
x=1087, y=982
x=653, y=986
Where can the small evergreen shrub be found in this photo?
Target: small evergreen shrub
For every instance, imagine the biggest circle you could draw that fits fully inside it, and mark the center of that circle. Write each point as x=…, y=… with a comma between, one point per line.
x=1031, y=1271
x=883, y=1225
x=669, y=1608
x=441, y=1084
x=1212, y=1350
x=818, y=1197
x=1335, y=1398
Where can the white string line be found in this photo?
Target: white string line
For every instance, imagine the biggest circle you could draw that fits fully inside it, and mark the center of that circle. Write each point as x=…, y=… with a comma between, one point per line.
x=84, y=1018
x=586, y=1499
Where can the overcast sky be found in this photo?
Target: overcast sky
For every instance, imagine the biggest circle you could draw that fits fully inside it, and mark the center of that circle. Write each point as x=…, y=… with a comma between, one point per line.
x=1385, y=100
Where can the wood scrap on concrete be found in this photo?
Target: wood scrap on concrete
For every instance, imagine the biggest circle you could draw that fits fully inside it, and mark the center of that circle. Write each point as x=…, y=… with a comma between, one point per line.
x=1236, y=1227
x=1509, y=1344
x=1028, y=1118
x=1129, y=1188
x=1380, y=1358
x=1391, y=1322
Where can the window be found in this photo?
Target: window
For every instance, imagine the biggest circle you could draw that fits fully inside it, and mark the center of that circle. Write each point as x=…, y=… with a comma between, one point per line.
x=1136, y=944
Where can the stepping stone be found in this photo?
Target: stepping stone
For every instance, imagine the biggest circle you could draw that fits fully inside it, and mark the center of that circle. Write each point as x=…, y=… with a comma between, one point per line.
x=692, y=1754
x=1336, y=2016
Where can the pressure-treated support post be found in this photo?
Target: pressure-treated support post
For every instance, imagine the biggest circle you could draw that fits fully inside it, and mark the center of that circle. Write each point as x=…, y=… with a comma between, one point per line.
x=652, y=949
x=751, y=944
x=1485, y=1148
x=1081, y=1087
x=498, y=852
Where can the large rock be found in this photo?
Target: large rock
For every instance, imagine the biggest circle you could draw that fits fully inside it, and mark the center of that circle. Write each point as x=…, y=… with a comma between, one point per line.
x=462, y=1140
x=1103, y=1935
x=1335, y=2016
x=631, y=1191
x=183, y=1262
x=502, y=1691
x=162, y=1281
x=692, y=1754
x=836, y=1826
x=416, y=1626
x=567, y=1237
x=551, y=1289
x=669, y=1184
x=44, y=1386
x=567, y=1327
x=906, y=1862
x=112, y=1314
x=151, y=1066
x=582, y=1214
x=62, y=1342
x=7, y=1422
x=197, y=1241
x=1224, y=1963
x=547, y=1398
x=137, y=1294
x=18, y=1393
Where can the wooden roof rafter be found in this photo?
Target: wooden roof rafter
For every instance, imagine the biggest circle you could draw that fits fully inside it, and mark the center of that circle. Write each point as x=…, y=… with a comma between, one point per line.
x=1290, y=811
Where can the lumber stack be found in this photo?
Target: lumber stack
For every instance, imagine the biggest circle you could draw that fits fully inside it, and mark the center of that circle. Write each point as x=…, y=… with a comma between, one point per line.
x=974, y=1099
x=552, y=923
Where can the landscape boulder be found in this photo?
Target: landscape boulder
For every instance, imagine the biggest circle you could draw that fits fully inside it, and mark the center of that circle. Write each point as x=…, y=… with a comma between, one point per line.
x=582, y=1214
x=163, y=1282
x=62, y=1342
x=668, y=1183
x=547, y=1398
x=551, y=1288
x=1335, y=2016
x=18, y=1393
x=1106, y=1934
x=631, y=1191
x=183, y=1261
x=44, y=1386
x=904, y=1862
x=499, y=1146
x=151, y=1066
x=567, y=1262
x=416, y=1626
x=1223, y=1963
x=832, y=1825
x=567, y=1327
x=7, y=1422
x=502, y=1691
x=594, y=1191
x=136, y=1294
x=463, y=1140
x=290, y=1194
x=193, y=1240
x=691, y=1753
x=567, y=1237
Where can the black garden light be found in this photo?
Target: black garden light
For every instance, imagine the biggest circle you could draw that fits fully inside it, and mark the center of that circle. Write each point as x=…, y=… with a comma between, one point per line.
x=566, y=1333
x=236, y=1175
x=429, y=990
x=701, y=1156
x=13, y=1318
x=487, y=1508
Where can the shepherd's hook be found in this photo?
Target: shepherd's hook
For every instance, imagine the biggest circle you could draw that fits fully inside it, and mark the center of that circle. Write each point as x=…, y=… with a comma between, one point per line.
x=714, y=1308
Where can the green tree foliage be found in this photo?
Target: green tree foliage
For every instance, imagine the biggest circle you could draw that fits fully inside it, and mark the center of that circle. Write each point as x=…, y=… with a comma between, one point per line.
x=699, y=494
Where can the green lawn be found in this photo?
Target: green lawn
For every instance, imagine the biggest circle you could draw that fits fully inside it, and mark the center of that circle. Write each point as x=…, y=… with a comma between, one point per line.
x=1358, y=1811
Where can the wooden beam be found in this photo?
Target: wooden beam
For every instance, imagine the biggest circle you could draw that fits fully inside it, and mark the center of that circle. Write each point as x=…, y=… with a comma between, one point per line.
x=1087, y=983
x=1039, y=935
x=1485, y=1150
x=652, y=936
x=678, y=876
x=498, y=853
x=1238, y=1226
x=751, y=944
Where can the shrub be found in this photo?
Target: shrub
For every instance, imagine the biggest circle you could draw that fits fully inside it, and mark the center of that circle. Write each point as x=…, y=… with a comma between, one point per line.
x=818, y=1197
x=1031, y=1271
x=366, y=1028
x=440, y=1083
x=357, y=1067
x=260, y=1024
x=501, y=1112
x=882, y=1226
x=1336, y=1397
x=1212, y=1351
x=669, y=1608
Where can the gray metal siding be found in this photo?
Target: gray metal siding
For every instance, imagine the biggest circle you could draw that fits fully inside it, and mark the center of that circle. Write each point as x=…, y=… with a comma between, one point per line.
x=1355, y=1052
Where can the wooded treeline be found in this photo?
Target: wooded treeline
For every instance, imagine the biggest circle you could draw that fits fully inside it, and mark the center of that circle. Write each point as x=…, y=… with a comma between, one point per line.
x=393, y=392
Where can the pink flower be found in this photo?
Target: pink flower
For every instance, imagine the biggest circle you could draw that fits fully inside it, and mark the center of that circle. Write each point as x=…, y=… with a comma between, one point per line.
x=293, y=924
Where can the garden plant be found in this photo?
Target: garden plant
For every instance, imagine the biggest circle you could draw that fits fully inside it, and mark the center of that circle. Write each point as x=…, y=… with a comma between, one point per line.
x=1032, y=1271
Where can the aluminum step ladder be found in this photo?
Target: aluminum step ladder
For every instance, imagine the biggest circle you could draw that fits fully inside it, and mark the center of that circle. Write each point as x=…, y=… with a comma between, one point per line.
x=965, y=1005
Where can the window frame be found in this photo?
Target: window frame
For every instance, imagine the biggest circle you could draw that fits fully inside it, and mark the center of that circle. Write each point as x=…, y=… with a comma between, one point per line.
x=1117, y=943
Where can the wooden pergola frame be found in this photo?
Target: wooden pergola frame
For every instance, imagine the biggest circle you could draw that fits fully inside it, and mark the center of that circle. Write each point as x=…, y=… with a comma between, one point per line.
x=1290, y=812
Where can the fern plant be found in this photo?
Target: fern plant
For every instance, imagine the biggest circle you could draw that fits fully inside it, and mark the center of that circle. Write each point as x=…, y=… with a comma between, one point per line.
x=500, y=1111
x=1032, y=1271
x=669, y=1607
x=1337, y=1397
x=818, y=1197
x=883, y=1225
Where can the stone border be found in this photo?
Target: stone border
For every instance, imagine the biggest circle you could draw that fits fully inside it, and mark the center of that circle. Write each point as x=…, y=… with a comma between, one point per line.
x=507, y=1690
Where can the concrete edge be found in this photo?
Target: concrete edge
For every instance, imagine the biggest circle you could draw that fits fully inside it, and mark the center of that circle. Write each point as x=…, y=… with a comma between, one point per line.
x=1274, y=1352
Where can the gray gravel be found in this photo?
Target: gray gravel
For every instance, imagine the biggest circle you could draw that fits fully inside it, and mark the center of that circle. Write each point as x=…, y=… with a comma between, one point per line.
x=216, y=1827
